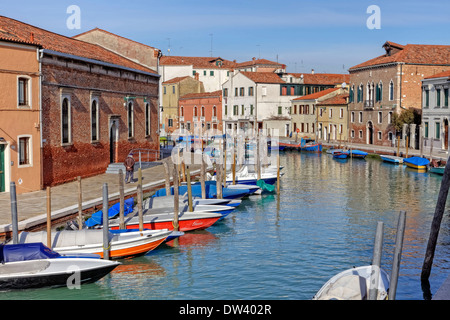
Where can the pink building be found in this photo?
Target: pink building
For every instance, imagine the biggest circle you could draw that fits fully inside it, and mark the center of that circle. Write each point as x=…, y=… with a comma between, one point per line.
x=203, y=109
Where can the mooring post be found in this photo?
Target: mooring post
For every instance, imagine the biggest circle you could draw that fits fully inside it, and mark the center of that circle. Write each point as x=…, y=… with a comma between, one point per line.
x=397, y=255
x=80, y=204
x=376, y=262
x=140, y=209
x=167, y=177
x=49, y=218
x=176, y=199
x=436, y=224
x=202, y=178
x=105, y=210
x=121, y=200
x=188, y=177
x=278, y=173
x=14, y=218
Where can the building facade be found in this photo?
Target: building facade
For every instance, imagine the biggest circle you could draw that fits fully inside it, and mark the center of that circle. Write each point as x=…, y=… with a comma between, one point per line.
x=20, y=141
x=389, y=84
x=435, y=111
x=201, y=110
x=172, y=90
x=332, y=118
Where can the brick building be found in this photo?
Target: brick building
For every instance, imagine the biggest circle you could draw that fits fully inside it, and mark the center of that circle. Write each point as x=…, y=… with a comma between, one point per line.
x=201, y=110
x=96, y=105
x=388, y=84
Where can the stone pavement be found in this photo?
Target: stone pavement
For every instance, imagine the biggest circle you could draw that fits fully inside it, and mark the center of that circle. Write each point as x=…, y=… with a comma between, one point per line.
x=32, y=206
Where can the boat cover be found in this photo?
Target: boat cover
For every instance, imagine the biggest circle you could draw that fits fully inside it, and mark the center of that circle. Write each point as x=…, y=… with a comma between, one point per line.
x=350, y=287
x=359, y=152
x=66, y=238
x=418, y=161
x=97, y=217
x=26, y=251
x=265, y=186
x=211, y=191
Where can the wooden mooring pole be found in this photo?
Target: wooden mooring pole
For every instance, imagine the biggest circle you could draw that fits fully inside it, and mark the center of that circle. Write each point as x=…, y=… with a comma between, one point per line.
x=397, y=255
x=189, y=186
x=80, y=204
x=121, y=200
x=176, y=200
x=105, y=210
x=376, y=262
x=278, y=173
x=49, y=218
x=436, y=225
x=14, y=218
x=202, y=178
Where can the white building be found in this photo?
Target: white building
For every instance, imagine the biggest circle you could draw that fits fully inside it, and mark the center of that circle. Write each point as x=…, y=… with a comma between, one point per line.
x=435, y=111
x=254, y=100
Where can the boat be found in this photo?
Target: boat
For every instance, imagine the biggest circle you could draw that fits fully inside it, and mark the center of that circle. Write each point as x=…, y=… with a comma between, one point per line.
x=353, y=284
x=121, y=244
x=289, y=144
x=417, y=163
x=332, y=150
x=438, y=170
x=310, y=145
x=157, y=219
x=34, y=265
x=340, y=154
x=244, y=177
x=358, y=154
x=391, y=159
x=211, y=191
x=97, y=217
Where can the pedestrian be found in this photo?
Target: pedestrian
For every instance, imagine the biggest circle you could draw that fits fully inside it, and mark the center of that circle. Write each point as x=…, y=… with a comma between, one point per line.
x=129, y=166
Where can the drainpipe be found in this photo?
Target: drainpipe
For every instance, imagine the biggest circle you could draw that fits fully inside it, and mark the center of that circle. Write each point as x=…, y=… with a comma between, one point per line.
x=40, y=55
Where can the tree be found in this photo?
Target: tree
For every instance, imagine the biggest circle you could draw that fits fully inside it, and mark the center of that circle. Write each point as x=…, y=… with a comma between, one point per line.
x=407, y=116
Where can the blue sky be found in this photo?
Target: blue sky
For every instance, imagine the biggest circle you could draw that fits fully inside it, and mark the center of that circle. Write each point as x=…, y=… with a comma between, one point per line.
x=324, y=35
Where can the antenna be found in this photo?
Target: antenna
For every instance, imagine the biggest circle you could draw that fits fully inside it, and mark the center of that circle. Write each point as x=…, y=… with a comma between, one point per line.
x=211, y=52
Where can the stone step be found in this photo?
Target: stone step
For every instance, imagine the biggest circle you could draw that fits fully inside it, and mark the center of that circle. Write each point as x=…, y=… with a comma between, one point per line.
x=114, y=168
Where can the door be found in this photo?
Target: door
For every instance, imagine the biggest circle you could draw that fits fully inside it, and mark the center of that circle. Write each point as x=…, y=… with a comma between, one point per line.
x=113, y=141
x=2, y=168
x=370, y=133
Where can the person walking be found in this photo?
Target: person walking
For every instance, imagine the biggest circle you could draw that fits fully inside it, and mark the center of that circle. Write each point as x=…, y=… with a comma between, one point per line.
x=129, y=166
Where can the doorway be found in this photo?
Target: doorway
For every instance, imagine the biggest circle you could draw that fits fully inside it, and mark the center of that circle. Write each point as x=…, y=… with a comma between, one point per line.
x=446, y=134
x=369, y=132
x=113, y=139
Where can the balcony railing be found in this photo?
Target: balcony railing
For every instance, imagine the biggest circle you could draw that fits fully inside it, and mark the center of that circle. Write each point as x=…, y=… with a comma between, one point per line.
x=195, y=119
x=214, y=119
x=181, y=119
x=368, y=104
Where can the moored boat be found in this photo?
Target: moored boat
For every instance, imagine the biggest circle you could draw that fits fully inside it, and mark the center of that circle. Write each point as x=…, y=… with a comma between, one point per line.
x=391, y=159
x=358, y=154
x=340, y=154
x=417, y=163
x=353, y=284
x=438, y=170
x=33, y=265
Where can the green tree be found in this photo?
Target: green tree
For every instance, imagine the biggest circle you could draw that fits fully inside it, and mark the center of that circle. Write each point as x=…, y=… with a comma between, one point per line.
x=407, y=116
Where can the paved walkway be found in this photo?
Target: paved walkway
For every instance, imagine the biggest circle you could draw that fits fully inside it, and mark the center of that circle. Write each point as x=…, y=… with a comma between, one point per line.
x=32, y=206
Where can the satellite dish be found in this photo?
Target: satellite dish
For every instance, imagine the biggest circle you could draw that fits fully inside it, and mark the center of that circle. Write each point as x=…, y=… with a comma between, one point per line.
x=344, y=84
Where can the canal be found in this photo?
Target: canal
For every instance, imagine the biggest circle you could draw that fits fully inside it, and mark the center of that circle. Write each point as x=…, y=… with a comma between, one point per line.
x=287, y=246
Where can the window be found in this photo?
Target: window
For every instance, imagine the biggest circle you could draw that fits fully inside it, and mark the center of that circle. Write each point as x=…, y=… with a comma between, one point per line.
x=203, y=111
x=360, y=93
x=360, y=134
x=391, y=91
x=263, y=91
x=235, y=110
x=426, y=130
x=379, y=92
x=170, y=122
x=437, y=134
x=241, y=92
x=360, y=117
x=250, y=91
x=181, y=112
x=352, y=134
x=295, y=109
x=204, y=72
x=280, y=110
x=65, y=121
x=341, y=128
x=164, y=90
x=24, y=91
x=427, y=98
x=242, y=109
x=352, y=116
x=195, y=112
x=351, y=95
x=225, y=92
x=236, y=91
x=251, y=109
x=446, y=97
x=390, y=117
x=211, y=73
x=380, y=117
x=341, y=113
x=94, y=120
x=147, y=119
x=390, y=136
x=438, y=97
x=130, y=116
x=24, y=151
x=226, y=110
x=330, y=113
x=214, y=111
x=379, y=135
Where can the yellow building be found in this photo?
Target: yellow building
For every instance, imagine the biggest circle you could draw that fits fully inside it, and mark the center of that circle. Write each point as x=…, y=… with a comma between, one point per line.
x=20, y=141
x=332, y=118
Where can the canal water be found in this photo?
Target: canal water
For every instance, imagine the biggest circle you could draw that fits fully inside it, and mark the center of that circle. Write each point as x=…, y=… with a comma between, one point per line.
x=287, y=247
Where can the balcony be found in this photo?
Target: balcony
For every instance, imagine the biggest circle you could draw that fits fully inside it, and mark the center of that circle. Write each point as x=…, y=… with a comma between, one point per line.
x=368, y=104
x=214, y=119
x=195, y=119
x=202, y=119
x=181, y=119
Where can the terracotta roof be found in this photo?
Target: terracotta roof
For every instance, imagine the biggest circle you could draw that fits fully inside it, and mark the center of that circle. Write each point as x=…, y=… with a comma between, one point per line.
x=340, y=99
x=176, y=79
x=201, y=95
x=444, y=74
x=197, y=62
x=13, y=29
x=317, y=95
x=258, y=62
x=412, y=54
x=323, y=78
x=263, y=77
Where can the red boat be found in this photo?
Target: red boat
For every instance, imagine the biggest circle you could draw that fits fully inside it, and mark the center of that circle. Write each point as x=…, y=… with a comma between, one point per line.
x=187, y=221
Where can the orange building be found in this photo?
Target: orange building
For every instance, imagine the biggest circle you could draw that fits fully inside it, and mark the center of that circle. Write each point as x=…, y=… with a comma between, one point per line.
x=203, y=109
x=20, y=152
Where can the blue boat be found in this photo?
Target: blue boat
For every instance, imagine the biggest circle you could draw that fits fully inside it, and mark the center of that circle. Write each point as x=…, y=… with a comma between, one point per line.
x=310, y=145
x=391, y=159
x=211, y=191
x=417, y=163
x=358, y=154
x=97, y=217
x=340, y=154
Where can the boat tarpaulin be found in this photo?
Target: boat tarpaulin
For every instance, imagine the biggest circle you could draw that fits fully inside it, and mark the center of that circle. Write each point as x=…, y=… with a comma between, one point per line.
x=26, y=251
x=97, y=217
x=418, y=161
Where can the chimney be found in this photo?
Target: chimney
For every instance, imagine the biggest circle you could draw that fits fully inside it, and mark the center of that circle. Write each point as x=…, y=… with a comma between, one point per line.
x=196, y=76
x=312, y=71
x=31, y=37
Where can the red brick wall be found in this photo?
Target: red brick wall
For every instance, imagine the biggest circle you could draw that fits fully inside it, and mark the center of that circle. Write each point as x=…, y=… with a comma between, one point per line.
x=83, y=157
x=207, y=102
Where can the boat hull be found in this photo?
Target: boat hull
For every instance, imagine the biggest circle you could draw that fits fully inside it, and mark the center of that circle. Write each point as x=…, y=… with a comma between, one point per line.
x=392, y=159
x=437, y=170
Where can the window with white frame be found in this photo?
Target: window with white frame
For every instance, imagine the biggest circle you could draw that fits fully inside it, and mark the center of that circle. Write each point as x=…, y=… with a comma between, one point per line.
x=24, y=152
x=379, y=135
x=130, y=119
x=147, y=119
x=352, y=133
x=380, y=117
x=352, y=116
x=24, y=91
x=341, y=113
x=360, y=134
x=360, y=117
x=390, y=117
x=391, y=91
x=66, y=120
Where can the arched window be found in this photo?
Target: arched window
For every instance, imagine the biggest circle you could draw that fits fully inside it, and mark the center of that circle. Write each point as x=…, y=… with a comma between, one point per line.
x=94, y=120
x=181, y=112
x=65, y=121
x=147, y=119
x=203, y=111
x=391, y=91
x=214, y=111
x=195, y=112
x=130, y=119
